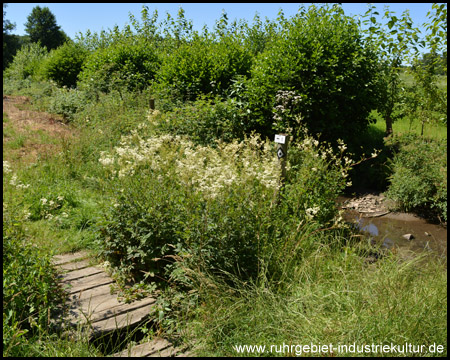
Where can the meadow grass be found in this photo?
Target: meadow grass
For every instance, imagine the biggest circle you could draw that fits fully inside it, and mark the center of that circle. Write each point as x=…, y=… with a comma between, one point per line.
x=334, y=295
x=405, y=125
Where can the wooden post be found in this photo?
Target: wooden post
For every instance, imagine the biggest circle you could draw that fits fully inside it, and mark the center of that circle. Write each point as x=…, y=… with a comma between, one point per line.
x=282, y=141
x=152, y=104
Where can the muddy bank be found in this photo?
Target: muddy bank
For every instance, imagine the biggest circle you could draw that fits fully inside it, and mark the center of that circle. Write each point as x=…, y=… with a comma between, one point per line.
x=406, y=232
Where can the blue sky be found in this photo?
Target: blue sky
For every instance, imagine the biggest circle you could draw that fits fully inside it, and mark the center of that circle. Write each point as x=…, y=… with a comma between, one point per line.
x=79, y=17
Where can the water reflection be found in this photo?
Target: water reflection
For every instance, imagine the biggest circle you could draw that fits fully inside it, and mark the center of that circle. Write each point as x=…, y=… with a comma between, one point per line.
x=388, y=231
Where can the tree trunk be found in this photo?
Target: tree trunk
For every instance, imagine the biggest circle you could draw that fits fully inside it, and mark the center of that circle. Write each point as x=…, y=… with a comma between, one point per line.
x=389, y=130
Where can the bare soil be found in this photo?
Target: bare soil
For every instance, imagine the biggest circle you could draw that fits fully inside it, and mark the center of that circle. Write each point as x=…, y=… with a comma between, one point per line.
x=32, y=125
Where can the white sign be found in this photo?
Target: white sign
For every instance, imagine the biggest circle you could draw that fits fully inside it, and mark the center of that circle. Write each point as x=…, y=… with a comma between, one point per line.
x=280, y=139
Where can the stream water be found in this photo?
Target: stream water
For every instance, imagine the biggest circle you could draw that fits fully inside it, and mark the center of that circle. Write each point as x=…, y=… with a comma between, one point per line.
x=388, y=231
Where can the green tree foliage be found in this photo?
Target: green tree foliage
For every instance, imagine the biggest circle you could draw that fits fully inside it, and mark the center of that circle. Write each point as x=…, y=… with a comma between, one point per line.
x=126, y=63
x=27, y=62
x=64, y=64
x=11, y=42
x=204, y=66
x=316, y=70
x=41, y=26
x=399, y=44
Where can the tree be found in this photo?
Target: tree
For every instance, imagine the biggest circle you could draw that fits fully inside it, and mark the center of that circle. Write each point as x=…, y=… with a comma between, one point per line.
x=11, y=42
x=394, y=45
x=314, y=72
x=41, y=26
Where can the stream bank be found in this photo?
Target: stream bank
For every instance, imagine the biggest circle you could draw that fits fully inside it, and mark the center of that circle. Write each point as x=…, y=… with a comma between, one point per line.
x=407, y=233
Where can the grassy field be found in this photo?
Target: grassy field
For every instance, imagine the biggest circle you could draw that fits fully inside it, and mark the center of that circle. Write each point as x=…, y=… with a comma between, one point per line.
x=405, y=125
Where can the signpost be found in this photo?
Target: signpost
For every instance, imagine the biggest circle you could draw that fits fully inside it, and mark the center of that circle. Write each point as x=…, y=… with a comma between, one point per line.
x=282, y=141
x=152, y=104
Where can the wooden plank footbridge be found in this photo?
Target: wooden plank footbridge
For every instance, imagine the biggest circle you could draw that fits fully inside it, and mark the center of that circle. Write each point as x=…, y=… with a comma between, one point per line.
x=92, y=306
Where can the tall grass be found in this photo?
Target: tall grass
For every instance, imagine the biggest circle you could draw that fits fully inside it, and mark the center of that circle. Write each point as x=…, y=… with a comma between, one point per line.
x=335, y=297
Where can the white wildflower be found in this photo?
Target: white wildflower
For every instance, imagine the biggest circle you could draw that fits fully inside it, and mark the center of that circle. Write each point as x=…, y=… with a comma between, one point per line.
x=6, y=167
x=13, y=180
x=310, y=212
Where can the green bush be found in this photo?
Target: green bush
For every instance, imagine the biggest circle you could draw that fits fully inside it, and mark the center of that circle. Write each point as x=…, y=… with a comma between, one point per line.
x=204, y=120
x=214, y=209
x=67, y=102
x=419, y=175
x=64, y=64
x=316, y=71
x=27, y=62
x=125, y=64
x=30, y=287
x=203, y=66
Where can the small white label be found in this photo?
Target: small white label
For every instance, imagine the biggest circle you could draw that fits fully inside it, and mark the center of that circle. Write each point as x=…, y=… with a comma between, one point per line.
x=280, y=139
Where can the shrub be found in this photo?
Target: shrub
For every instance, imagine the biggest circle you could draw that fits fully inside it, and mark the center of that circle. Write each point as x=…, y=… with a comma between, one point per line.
x=316, y=70
x=127, y=64
x=27, y=62
x=67, y=102
x=419, y=175
x=30, y=286
x=64, y=64
x=213, y=208
x=204, y=120
x=203, y=66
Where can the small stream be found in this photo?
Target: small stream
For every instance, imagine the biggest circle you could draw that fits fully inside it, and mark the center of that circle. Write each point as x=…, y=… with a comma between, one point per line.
x=388, y=231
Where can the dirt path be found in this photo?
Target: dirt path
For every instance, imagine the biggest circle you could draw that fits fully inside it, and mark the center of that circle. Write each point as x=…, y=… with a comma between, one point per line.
x=28, y=133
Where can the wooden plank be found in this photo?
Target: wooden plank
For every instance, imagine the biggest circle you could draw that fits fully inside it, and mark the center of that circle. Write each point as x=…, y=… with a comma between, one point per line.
x=75, y=265
x=102, y=312
x=104, y=290
x=81, y=273
x=122, y=320
x=89, y=282
x=102, y=307
x=65, y=258
x=169, y=352
x=185, y=354
x=145, y=349
x=82, y=308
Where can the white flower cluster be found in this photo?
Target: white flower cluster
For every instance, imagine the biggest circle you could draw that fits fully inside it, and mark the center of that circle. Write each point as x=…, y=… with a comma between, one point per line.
x=205, y=168
x=6, y=167
x=13, y=181
x=310, y=212
x=48, y=206
x=286, y=101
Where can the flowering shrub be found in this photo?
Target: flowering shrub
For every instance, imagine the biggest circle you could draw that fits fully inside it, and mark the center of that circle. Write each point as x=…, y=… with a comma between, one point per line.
x=213, y=208
x=203, y=168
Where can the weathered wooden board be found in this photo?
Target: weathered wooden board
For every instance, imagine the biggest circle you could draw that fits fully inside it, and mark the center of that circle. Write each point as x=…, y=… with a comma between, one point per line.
x=146, y=349
x=89, y=282
x=81, y=273
x=76, y=265
x=85, y=295
x=122, y=320
x=101, y=310
x=91, y=303
x=65, y=258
